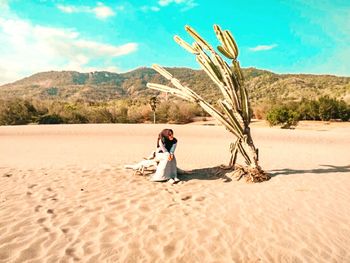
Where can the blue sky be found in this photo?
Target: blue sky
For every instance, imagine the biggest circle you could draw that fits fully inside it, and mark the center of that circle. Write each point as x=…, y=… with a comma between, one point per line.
x=286, y=36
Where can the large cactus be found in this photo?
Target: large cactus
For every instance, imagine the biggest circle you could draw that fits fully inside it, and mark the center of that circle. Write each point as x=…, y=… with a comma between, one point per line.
x=235, y=114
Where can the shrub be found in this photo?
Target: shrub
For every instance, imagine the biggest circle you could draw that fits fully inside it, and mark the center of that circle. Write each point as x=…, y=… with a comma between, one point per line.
x=16, y=112
x=282, y=115
x=100, y=115
x=343, y=111
x=259, y=112
x=162, y=112
x=74, y=113
x=182, y=112
x=121, y=115
x=50, y=119
x=140, y=114
x=327, y=108
x=309, y=110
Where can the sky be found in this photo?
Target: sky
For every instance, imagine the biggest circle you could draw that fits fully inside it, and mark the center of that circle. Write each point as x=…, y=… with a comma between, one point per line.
x=283, y=36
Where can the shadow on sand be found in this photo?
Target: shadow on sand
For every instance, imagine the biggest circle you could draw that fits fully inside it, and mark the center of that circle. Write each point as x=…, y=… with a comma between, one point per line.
x=220, y=173
x=328, y=169
x=210, y=173
x=217, y=172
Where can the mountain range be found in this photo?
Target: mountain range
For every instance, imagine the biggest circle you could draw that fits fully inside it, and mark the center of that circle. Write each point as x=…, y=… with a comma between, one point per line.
x=262, y=85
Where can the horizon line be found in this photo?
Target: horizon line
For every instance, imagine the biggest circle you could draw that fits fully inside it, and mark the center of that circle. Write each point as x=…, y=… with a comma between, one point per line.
x=171, y=67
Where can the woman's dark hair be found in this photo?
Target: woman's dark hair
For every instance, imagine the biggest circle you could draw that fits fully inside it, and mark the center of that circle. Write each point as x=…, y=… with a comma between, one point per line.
x=164, y=136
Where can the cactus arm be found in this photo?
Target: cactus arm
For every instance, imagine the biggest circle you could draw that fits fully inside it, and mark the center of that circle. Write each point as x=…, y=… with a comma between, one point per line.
x=216, y=69
x=237, y=72
x=245, y=105
x=197, y=37
x=244, y=154
x=185, y=45
x=175, y=82
x=230, y=43
x=227, y=78
x=210, y=62
x=218, y=116
x=166, y=74
x=227, y=47
x=187, y=94
x=170, y=90
x=225, y=52
x=235, y=123
x=208, y=70
x=234, y=151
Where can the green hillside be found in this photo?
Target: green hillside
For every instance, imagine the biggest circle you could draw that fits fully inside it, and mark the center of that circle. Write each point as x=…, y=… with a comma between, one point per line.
x=103, y=86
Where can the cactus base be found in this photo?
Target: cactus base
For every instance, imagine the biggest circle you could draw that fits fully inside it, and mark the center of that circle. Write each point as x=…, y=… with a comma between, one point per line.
x=250, y=174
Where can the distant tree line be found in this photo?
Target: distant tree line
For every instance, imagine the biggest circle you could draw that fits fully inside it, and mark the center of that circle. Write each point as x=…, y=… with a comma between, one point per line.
x=324, y=109
x=23, y=111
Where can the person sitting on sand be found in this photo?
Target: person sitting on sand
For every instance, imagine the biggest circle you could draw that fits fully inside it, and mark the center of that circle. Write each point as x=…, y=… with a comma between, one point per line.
x=166, y=169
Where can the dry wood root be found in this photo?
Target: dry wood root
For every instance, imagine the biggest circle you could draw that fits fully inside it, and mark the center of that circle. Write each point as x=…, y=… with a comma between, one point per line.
x=251, y=175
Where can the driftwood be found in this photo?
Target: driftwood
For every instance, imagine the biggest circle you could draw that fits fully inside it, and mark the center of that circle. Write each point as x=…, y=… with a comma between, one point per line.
x=148, y=164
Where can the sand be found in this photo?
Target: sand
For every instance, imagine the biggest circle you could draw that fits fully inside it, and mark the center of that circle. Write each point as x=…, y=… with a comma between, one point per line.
x=65, y=196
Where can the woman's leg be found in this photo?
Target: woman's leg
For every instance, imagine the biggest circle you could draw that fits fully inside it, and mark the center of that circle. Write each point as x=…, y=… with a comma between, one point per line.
x=173, y=169
x=161, y=172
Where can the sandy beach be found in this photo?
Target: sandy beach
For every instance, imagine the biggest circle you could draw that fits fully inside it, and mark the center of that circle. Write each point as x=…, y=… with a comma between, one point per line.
x=65, y=196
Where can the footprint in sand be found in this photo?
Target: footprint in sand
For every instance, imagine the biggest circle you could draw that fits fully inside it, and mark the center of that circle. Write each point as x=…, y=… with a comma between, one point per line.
x=70, y=252
x=41, y=220
x=169, y=249
x=153, y=227
x=50, y=211
x=37, y=208
x=200, y=198
x=65, y=230
x=186, y=197
x=171, y=191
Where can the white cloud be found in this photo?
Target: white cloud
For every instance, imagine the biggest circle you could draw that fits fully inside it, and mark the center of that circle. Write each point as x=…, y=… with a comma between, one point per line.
x=100, y=49
x=164, y=2
x=185, y=4
x=67, y=9
x=168, y=2
x=100, y=11
x=26, y=49
x=155, y=8
x=263, y=47
x=150, y=8
x=3, y=4
x=4, y=8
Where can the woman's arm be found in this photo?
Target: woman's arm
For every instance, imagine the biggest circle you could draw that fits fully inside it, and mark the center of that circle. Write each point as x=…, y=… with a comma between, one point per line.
x=162, y=147
x=172, y=149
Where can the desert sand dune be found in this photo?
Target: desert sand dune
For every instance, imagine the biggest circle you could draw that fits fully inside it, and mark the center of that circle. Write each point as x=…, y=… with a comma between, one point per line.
x=65, y=196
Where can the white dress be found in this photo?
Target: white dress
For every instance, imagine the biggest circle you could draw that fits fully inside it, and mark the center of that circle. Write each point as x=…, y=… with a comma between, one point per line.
x=166, y=169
